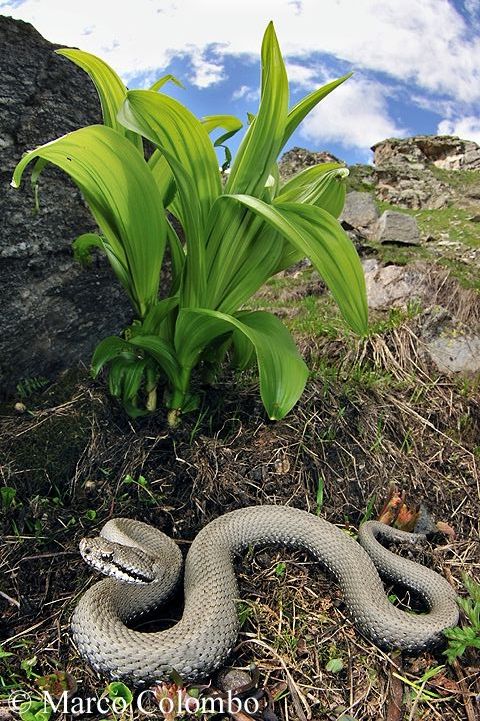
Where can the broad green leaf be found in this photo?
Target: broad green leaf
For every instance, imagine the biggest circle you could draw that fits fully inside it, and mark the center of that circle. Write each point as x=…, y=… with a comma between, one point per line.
x=121, y=193
x=237, y=262
x=335, y=665
x=117, y=689
x=177, y=255
x=156, y=315
x=228, y=122
x=34, y=711
x=321, y=185
x=178, y=134
x=162, y=352
x=169, y=78
x=282, y=372
x=243, y=350
x=83, y=244
x=110, y=348
x=125, y=377
x=111, y=90
x=318, y=236
x=161, y=170
x=262, y=142
x=163, y=177
x=304, y=106
x=185, y=144
x=273, y=182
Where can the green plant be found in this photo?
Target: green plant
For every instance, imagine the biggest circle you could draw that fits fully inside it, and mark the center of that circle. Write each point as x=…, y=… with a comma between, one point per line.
x=7, y=497
x=320, y=494
x=27, y=386
x=237, y=234
x=468, y=636
x=419, y=693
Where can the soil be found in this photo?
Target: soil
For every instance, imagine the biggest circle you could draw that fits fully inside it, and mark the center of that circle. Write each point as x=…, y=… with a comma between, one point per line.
x=373, y=417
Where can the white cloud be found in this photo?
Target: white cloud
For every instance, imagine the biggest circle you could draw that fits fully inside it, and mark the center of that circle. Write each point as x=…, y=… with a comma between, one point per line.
x=356, y=115
x=205, y=72
x=246, y=92
x=241, y=92
x=467, y=128
x=439, y=106
x=302, y=75
x=425, y=42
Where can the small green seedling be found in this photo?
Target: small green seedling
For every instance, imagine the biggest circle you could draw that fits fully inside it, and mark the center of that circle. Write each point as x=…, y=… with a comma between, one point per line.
x=467, y=636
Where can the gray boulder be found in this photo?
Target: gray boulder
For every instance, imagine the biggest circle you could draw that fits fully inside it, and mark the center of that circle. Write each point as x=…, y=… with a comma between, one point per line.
x=453, y=346
x=53, y=311
x=456, y=352
x=392, y=286
x=360, y=211
x=393, y=227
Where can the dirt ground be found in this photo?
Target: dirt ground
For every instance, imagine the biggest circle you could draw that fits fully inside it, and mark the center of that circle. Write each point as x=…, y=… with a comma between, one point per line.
x=374, y=416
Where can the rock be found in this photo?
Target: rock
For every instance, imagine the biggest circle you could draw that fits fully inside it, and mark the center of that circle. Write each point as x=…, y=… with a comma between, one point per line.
x=393, y=227
x=297, y=159
x=405, y=171
x=360, y=211
x=392, y=286
x=456, y=352
x=452, y=346
x=53, y=311
x=233, y=679
x=444, y=151
x=411, y=188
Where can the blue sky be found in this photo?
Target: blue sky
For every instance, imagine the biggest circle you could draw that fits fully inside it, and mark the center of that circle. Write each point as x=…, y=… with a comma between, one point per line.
x=416, y=63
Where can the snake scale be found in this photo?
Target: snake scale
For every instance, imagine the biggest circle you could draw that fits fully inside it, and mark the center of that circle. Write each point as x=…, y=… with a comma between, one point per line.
x=144, y=565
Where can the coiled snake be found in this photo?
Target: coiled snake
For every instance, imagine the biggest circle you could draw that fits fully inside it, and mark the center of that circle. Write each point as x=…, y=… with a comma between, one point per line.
x=145, y=565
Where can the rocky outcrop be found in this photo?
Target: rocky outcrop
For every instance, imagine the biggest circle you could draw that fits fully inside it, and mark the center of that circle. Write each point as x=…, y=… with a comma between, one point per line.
x=420, y=151
x=411, y=187
x=451, y=345
x=297, y=159
x=53, y=311
x=405, y=169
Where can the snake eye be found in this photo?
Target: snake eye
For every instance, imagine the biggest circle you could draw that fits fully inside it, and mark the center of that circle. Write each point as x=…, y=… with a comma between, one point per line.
x=87, y=551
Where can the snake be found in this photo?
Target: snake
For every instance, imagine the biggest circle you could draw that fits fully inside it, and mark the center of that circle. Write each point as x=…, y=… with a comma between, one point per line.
x=143, y=566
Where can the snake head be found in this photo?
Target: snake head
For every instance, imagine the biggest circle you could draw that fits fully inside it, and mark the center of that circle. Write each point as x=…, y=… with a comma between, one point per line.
x=125, y=563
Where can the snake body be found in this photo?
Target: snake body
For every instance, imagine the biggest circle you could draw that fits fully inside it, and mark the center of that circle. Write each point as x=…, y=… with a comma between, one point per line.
x=145, y=565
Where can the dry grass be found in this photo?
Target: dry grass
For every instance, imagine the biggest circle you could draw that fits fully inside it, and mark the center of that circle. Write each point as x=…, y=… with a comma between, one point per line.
x=376, y=415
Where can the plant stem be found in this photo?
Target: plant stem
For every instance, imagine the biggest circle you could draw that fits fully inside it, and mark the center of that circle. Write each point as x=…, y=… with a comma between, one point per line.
x=177, y=400
x=152, y=399
x=173, y=417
